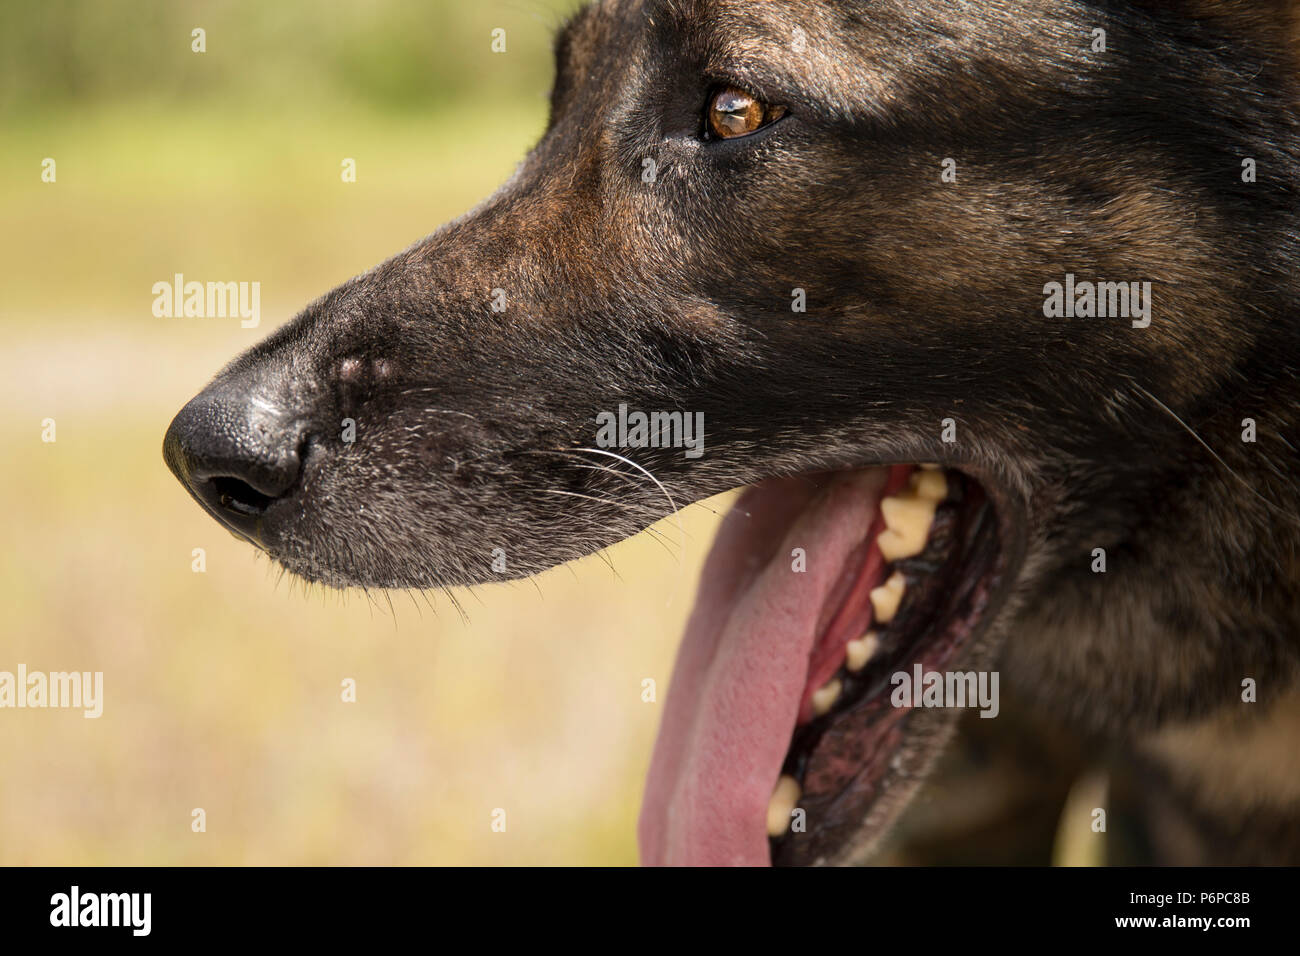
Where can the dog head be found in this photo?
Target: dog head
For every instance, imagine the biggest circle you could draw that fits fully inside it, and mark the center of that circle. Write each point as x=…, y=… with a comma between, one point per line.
x=841, y=235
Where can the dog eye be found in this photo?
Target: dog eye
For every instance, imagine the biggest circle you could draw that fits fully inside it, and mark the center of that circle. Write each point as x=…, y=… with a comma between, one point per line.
x=733, y=113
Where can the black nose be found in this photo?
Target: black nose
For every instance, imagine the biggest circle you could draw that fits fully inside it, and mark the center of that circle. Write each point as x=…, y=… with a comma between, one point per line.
x=236, y=453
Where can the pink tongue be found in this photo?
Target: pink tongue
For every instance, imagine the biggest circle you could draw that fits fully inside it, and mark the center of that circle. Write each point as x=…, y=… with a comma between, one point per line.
x=741, y=669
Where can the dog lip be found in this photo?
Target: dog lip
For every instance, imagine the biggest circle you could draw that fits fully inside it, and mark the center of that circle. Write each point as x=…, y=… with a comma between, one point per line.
x=999, y=576
x=1012, y=513
x=893, y=737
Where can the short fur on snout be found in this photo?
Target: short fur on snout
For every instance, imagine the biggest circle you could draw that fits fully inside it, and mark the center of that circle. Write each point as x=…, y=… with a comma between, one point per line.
x=940, y=166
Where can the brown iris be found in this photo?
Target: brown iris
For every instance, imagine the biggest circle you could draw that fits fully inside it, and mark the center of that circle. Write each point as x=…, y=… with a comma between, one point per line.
x=733, y=112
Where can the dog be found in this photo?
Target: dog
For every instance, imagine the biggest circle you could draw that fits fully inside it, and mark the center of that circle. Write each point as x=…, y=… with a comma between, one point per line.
x=992, y=309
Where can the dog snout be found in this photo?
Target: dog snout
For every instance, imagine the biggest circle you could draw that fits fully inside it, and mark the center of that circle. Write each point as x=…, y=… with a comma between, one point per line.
x=236, y=453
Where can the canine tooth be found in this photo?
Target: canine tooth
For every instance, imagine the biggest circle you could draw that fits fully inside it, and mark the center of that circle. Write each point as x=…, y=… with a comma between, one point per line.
x=886, y=598
x=907, y=524
x=857, y=653
x=824, y=698
x=784, y=797
x=931, y=485
x=930, y=466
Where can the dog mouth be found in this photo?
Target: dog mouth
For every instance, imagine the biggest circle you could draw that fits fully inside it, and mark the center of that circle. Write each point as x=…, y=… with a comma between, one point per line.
x=781, y=733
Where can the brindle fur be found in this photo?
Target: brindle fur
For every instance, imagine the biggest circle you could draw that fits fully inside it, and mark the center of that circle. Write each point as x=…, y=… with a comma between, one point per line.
x=924, y=303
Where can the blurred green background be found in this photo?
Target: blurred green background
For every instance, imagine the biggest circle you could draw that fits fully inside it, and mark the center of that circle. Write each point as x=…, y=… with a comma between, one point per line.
x=222, y=689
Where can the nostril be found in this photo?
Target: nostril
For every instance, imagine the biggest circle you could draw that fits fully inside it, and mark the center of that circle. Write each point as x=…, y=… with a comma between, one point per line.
x=236, y=458
x=239, y=496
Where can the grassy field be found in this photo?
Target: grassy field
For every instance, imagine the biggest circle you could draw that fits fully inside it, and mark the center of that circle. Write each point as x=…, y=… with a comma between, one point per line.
x=222, y=688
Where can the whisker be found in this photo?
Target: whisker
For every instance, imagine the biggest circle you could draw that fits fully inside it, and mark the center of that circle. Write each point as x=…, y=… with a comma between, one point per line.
x=1275, y=508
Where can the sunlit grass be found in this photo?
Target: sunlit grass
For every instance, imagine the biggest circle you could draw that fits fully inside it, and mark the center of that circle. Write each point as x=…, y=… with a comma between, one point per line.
x=143, y=194
x=223, y=688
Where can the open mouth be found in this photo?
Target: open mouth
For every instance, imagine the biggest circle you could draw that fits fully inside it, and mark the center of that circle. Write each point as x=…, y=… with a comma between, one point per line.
x=780, y=731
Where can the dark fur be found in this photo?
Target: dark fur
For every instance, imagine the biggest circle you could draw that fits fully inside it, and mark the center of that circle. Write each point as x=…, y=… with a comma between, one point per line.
x=925, y=302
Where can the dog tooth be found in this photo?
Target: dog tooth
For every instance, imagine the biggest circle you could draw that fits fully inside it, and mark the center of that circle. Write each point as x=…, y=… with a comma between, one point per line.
x=931, y=485
x=930, y=466
x=857, y=653
x=824, y=698
x=784, y=797
x=886, y=598
x=907, y=525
